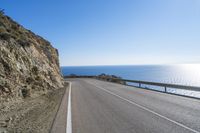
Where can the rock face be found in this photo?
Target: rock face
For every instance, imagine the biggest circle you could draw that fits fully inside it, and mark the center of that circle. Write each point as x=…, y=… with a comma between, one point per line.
x=29, y=65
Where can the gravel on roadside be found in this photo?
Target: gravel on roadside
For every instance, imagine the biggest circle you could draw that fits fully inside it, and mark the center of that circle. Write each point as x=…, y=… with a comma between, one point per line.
x=32, y=115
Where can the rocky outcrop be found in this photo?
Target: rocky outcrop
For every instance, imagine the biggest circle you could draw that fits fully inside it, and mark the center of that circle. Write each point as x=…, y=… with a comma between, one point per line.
x=29, y=65
x=104, y=77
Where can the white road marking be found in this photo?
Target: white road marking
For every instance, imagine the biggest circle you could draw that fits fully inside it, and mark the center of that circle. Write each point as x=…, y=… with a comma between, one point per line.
x=145, y=108
x=69, y=114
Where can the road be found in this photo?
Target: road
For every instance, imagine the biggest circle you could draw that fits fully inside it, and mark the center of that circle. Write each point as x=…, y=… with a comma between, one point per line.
x=103, y=107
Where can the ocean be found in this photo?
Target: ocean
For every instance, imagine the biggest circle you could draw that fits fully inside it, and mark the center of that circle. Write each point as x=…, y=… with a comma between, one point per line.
x=187, y=74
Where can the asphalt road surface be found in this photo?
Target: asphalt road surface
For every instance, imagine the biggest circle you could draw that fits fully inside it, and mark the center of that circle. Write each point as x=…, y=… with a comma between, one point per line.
x=103, y=107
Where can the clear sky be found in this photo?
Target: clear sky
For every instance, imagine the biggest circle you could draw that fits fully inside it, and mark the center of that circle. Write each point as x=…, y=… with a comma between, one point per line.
x=114, y=32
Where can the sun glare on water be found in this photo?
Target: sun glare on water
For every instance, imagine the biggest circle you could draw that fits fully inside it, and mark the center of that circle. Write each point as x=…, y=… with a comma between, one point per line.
x=192, y=72
x=192, y=68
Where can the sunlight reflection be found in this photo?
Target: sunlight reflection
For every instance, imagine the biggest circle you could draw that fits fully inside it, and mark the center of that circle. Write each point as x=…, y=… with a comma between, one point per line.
x=191, y=73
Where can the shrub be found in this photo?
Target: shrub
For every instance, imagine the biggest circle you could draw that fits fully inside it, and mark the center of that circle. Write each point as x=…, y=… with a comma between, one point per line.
x=38, y=78
x=1, y=23
x=35, y=70
x=25, y=92
x=2, y=29
x=15, y=27
x=5, y=36
x=1, y=12
x=29, y=80
x=23, y=43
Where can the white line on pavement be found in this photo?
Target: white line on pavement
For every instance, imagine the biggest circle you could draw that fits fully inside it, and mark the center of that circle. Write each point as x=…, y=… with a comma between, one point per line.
x=69, y=114
x=144, y=108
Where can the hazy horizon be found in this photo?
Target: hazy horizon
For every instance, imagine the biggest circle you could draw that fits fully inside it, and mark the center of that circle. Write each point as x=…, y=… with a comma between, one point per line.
x=183, y=64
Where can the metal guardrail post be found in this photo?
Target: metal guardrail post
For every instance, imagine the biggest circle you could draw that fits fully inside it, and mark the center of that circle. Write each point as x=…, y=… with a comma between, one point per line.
x=165, y=88
x=139, y=85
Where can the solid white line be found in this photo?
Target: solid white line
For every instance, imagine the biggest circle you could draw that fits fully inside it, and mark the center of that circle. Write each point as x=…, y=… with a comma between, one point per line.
x=144, y=108
x=69, y=114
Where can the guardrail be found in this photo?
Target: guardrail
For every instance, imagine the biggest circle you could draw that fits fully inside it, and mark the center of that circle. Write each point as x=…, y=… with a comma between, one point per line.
x=140, y=83
x=165, y=85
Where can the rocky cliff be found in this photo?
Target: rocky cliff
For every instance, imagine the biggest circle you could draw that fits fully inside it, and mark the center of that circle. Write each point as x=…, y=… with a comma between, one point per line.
x=29, y=65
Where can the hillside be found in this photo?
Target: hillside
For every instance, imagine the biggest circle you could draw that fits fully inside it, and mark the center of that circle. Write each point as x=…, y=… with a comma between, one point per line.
x=29, y=75
x=29, y=65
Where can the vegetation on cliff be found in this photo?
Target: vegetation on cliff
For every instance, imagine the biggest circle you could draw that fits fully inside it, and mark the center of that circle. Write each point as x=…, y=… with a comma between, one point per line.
x=30, y=79
x=29, y=65
x=103, y=76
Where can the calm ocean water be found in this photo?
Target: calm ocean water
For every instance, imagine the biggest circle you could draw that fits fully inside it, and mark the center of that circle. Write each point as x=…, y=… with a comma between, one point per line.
x=188, y=74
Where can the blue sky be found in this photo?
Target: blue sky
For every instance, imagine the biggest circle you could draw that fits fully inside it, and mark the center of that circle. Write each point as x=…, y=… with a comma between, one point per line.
x=114, y=32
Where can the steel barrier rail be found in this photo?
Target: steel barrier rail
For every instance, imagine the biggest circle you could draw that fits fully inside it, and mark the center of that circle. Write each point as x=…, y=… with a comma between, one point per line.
x=165, y=85
x=140, y=83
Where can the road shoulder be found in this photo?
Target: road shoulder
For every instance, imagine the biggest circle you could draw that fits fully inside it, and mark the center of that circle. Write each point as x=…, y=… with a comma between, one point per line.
x=60, y=121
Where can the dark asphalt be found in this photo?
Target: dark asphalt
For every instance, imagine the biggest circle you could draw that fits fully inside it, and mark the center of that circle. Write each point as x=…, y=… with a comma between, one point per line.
x=103, y=107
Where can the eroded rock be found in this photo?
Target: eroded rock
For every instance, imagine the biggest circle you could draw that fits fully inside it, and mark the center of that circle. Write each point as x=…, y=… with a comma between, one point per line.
x=27, y=60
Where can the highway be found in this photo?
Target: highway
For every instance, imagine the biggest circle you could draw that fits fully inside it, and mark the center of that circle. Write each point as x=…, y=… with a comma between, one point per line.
x=103, y=107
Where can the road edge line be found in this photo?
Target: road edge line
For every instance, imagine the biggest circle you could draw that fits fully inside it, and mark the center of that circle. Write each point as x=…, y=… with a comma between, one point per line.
x=69, y=114
x=145, y=108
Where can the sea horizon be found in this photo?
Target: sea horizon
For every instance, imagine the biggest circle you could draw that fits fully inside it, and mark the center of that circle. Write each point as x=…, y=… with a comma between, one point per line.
x=189, y=71
x=132, y=65
x=181, y=74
